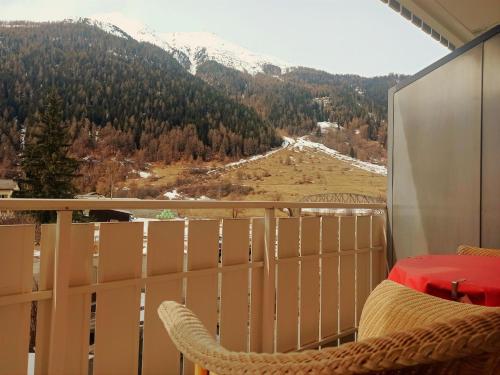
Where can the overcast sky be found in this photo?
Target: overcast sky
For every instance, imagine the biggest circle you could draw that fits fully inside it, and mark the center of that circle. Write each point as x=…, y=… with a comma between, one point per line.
x=364, y=37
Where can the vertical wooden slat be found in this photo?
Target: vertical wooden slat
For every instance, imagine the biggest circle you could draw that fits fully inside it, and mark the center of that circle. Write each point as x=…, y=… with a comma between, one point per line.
x=379, y=271
x=16, y=276
x=347, y=273
x=165, y=255
x=201, y=292
x=329, y=276
x=44, y=308
x=309, y=280
x=60, y=293
x=258, y=243
x=77, y=352
x=117, y=313
x=287, y=286
x=363, y=242
x=234, y=287
x=77, y=345
x=269, y=282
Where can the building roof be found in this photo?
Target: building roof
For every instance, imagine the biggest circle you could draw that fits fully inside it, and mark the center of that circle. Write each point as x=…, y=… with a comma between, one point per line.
x=451, y=22
x=7, y=184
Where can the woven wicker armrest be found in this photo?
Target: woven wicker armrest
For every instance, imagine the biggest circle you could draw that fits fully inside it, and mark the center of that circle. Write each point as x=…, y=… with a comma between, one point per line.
x=480, y=251
x=392, y=307
x=443, y=345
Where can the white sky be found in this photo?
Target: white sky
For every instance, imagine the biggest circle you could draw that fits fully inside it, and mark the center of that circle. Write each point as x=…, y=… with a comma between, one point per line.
x=364, y=37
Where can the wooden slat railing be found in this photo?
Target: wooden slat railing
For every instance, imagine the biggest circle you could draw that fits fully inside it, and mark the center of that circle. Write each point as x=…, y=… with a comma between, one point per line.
x=261, y=284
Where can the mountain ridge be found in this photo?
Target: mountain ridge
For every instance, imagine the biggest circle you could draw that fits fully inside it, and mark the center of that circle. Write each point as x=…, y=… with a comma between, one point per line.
x=190, y=48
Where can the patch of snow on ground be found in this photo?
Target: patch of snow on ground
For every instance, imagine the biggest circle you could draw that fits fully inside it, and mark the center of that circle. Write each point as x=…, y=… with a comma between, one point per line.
x=203, y=198
x=173, y=194
x=325, y=125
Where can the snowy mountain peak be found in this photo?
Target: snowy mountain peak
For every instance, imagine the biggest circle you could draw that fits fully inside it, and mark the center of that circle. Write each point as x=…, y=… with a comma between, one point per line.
x=202, y=46
x=191, y=48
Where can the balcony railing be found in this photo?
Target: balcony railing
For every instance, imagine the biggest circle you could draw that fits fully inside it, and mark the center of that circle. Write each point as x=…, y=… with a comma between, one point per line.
x=266, y=283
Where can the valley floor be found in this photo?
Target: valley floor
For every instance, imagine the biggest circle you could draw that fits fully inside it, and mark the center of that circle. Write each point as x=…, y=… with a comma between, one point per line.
x=298, y=169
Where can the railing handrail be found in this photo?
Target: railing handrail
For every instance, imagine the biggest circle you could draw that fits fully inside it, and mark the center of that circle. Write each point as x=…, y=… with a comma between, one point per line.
x=21, y=204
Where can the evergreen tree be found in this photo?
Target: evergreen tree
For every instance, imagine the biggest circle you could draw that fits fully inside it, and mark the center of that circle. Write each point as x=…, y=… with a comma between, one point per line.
x=47, y=168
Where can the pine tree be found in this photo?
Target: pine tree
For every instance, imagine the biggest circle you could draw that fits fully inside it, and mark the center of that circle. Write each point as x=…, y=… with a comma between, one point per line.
x=47, y=168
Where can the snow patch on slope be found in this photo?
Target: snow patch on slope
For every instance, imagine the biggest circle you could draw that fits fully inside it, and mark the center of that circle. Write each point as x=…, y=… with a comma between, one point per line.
x=325, y=125
x=105, y=26
x=173, y=194
x=135, y=29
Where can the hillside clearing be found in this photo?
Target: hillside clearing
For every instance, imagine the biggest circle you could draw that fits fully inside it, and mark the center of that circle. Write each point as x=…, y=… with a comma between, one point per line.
x=286, y=174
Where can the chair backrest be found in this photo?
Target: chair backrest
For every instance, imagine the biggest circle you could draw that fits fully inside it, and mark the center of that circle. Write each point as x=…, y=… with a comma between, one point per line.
x=478, y=251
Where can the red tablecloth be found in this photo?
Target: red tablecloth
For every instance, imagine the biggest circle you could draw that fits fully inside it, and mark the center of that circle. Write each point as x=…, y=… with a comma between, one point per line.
x=433, y=274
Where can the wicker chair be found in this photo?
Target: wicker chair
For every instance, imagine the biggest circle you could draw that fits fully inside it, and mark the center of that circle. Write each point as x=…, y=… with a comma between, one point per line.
x=481, y=251
x=401, y=331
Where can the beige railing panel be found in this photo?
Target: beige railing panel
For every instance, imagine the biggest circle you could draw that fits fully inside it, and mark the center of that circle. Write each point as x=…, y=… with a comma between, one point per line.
x=305, y=292
x=329, y=276
x=287, y=284
x=269, y=282
x=234, y=288
x=201, y=292
x=16, y=276
x=117, y=314
x=258, y=244
x=76, y=360
x=165, y=255
x=347, y=273
x=379, y=270
x=363, y=232
x=309, y=280
x=363, y=243
x=44, y=308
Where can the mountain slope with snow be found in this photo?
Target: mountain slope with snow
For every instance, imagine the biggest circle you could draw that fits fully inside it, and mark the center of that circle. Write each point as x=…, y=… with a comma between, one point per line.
x=191, y=48
x=304, y=144
x=202, y=46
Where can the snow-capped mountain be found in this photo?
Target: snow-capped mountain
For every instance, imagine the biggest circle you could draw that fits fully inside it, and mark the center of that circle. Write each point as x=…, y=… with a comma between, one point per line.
x=202, y=46
x=191, y=48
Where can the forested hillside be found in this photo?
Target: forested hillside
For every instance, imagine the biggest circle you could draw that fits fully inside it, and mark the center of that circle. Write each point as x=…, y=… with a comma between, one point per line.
x=351, y=95
x=118, y=96
x=132, y=102
x=298, y=99
x=285, y=104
